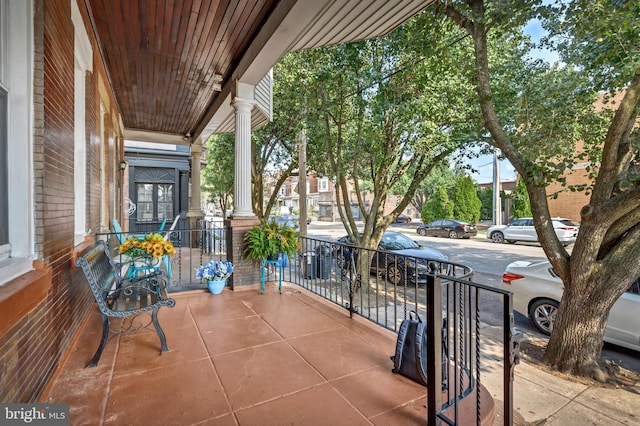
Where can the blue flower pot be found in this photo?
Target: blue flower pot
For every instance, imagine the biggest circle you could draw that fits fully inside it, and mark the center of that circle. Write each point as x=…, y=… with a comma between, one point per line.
x=216, y=287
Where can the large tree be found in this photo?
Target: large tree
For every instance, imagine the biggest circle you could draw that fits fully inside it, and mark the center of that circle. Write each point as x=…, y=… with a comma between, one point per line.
x=440, y=176
x=437, y=207
x=275, y=146
x=536, y=115
x=486, y=198
x=466, y=204
x=520, y=207
x=384, y=114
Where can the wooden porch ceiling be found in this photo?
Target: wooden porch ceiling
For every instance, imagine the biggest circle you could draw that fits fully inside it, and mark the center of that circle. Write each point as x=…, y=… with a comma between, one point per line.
x=163, y=56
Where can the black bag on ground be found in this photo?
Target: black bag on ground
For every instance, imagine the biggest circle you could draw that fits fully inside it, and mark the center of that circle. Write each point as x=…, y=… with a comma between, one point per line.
x=410, y=359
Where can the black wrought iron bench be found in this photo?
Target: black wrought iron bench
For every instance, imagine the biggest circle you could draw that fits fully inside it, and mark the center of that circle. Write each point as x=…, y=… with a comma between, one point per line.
x=125, y=298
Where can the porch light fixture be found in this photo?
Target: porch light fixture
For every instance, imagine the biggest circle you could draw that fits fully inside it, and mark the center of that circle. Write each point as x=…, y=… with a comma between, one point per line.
x=217, y=83
x=123, y=165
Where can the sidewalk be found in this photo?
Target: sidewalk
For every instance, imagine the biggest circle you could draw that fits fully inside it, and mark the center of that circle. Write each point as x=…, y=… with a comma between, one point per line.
x=544, y=398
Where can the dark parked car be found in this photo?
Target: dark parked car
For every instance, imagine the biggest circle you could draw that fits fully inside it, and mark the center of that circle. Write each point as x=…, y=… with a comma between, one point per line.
x=398, y=258
x=447, y=228
x=403, y=218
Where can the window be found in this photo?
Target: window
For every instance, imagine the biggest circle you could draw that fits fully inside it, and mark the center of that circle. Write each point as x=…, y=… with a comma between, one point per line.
x=4, y=184
x=4, y=187
x=16, y=139
x=323, y=184
x=83, y=63
x=154, y=201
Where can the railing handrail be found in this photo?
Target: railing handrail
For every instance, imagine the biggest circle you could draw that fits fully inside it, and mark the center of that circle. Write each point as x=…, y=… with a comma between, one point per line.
x=461, y=316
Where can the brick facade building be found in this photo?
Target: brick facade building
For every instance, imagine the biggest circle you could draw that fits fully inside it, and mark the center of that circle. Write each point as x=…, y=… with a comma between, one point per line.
x=43, y=298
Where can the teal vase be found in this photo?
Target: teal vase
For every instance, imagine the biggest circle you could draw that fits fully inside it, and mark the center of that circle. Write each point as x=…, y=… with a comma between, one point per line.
x=216, y=287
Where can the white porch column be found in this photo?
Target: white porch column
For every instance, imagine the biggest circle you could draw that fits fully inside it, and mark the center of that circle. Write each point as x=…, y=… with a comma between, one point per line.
x=243, y=102
x=195, y=202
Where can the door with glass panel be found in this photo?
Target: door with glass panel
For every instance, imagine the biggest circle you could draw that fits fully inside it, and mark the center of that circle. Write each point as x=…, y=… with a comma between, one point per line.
x=154, y=205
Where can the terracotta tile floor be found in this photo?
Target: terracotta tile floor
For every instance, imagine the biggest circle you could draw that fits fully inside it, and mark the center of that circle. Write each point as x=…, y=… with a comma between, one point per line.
x=241, y=358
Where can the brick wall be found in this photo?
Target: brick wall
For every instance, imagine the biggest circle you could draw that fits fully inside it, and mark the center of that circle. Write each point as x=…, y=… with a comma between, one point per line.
x=568, y=204
x=32, y=349
x=246, y=272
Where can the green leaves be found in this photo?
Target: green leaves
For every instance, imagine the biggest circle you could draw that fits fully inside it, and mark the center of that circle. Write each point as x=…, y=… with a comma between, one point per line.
x=466, y=204
x=600, y=37
x=218, y=174
x=437, y=207
x=270, y=239
x=521, y=207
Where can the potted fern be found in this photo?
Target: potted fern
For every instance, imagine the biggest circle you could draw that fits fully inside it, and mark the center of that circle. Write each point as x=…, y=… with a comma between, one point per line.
x=270, y=240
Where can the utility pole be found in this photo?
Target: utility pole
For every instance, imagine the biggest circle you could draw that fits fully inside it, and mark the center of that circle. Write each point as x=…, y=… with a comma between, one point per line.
x=497, y=205
x=302, y=182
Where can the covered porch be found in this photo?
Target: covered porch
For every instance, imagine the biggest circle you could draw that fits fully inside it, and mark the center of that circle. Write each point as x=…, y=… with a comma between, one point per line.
x=247, y=358
x=118, y=81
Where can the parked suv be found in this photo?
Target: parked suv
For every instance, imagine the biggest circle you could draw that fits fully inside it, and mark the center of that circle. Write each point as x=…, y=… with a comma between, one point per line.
x=523, y=230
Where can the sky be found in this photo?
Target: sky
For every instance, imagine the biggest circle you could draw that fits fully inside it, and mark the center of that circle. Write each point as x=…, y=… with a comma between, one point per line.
x=484, y=170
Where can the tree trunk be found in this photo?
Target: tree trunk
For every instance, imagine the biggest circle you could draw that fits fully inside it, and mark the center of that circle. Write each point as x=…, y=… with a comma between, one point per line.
x=590, y=290
x=577, y=345
x=603, y=262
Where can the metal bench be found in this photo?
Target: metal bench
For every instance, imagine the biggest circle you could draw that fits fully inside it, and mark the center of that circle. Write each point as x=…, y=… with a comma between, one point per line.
x=125, y=298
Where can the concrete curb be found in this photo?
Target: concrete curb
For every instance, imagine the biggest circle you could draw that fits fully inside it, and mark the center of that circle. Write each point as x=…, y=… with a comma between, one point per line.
x=544, y=398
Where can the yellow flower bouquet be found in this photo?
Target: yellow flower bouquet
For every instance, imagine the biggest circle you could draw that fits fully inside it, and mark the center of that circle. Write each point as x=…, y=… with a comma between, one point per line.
x=153, y=245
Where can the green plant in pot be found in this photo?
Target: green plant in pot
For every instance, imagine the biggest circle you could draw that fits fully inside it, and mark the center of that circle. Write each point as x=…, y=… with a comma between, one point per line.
x=269, y=239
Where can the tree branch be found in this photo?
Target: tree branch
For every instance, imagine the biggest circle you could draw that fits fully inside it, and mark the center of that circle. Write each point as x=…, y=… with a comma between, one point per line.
x=618, y=131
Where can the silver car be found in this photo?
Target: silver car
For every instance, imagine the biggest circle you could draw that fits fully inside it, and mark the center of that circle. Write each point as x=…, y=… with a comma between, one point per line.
x=537, y=291
x=523, y=230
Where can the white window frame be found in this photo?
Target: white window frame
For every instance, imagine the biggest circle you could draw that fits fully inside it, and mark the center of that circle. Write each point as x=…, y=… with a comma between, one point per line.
x=323, y=184
x=16, y=72
x=83, y=63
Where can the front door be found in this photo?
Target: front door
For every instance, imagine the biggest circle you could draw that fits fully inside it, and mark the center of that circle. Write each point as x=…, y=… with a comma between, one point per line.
x=155, y=203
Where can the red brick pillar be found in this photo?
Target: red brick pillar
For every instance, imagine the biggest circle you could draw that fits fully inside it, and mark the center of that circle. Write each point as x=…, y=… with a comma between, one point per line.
x=246, y=272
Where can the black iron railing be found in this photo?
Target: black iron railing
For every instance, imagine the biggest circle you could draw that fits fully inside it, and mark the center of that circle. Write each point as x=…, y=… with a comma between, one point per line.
x=194, y=247
x=384, y=287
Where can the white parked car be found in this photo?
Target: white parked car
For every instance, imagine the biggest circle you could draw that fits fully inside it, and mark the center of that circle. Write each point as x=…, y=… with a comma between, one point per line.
x=523, y=230
x=537, y=291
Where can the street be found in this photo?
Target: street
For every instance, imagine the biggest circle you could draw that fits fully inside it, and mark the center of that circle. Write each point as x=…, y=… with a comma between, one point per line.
x=489, y=261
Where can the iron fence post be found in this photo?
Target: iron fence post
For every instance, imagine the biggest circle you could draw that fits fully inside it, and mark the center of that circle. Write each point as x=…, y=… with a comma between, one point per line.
x=511, y=349
x=434, y=348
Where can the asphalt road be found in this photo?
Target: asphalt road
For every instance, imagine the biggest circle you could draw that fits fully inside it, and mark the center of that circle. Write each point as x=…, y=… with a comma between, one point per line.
x=489, y=261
